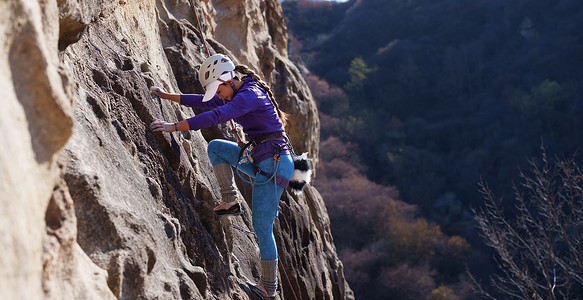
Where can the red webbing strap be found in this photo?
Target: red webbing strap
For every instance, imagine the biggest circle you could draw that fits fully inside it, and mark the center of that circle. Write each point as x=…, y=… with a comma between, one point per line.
x=282, y=181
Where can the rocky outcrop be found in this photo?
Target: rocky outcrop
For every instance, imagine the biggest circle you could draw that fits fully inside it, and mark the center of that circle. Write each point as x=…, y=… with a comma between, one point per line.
x=97, y=206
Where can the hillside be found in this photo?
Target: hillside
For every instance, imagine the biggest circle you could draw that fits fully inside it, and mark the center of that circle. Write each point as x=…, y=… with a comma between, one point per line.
x=446, y=91
x=433, y=97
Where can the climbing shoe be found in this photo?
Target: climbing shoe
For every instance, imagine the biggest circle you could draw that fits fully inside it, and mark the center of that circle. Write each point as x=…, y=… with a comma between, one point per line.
x=259, y=292
x=235, y=210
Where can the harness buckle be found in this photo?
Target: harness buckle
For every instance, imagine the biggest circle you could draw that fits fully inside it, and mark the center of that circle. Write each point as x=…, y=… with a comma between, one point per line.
x=276, y=151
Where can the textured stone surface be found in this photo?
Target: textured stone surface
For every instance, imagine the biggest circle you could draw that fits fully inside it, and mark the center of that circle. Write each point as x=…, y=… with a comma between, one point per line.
x=97, y=206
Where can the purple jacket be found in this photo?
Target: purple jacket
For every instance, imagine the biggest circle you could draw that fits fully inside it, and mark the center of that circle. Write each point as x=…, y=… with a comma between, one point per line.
x=250, y=107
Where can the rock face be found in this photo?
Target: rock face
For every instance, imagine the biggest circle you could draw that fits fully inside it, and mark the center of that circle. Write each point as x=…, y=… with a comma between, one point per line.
x=97, y=206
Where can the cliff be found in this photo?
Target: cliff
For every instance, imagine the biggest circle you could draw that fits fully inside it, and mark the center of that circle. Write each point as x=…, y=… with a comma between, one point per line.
x=97, y=206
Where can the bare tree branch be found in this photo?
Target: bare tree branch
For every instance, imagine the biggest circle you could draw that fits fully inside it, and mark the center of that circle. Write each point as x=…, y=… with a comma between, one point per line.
x=540, y=253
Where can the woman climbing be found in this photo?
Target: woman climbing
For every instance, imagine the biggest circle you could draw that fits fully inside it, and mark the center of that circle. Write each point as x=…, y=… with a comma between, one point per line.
x=251, y=103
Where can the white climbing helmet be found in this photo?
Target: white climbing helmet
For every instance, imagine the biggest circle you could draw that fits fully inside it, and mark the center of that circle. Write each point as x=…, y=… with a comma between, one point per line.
x=215, y=70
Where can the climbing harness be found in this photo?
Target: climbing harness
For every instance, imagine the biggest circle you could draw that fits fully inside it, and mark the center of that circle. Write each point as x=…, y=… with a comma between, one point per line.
x=246, y=155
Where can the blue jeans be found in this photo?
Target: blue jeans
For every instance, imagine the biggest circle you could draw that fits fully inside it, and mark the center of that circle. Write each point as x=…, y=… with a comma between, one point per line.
x=265, y=197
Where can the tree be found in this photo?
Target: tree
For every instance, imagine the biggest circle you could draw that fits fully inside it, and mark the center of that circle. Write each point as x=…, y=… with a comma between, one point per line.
x=358, y=72
x=540, y=253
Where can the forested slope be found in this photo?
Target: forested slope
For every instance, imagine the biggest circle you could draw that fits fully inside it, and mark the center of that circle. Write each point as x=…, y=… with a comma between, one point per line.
x=435, y=96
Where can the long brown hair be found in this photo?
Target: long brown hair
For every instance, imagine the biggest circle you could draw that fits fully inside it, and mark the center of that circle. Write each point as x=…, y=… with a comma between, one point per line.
x=245, y=70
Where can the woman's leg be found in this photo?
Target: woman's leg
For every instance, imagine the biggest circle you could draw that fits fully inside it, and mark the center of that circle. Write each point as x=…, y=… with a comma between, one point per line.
x=223, y=151
x=266, y=204
x=224, y=154
x=265, y=207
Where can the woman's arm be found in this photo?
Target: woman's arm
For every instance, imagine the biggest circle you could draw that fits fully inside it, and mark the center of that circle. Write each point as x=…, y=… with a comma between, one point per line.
x=204, y=120
x=162, y=94
x=240, y=105
x=159, y=125
x=190, y=100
